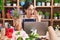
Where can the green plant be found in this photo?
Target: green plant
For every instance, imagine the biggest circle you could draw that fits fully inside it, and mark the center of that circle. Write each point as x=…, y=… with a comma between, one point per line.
x=16, y=14
x=55, y=14
x=23, y=0
x=40, y=13
x=47, y=0
x=40, y=0
x=33, y=36
x=19, y=38
x=59, y=14
x=8, y=0
x=1, y=5
x=56, y=1
x=28, y=1
x=46, y=13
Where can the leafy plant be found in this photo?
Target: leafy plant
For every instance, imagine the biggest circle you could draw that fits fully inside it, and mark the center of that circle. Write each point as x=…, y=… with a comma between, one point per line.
x=19, y=38
x=1, y=5
x=46, y=13
x=47, y=0
x=23, y=0
x=55, y=14
x=15, y=14
x=8, y=1
x=56, y=1
x=40, y=0
x=40, y=13
x=33, y=36
x=59, y=14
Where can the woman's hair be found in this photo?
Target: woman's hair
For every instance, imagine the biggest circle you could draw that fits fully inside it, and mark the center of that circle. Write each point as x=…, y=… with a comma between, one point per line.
x=26, y=6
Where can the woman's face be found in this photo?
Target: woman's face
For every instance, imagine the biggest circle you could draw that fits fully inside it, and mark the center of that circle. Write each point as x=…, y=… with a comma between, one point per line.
x=30, y=10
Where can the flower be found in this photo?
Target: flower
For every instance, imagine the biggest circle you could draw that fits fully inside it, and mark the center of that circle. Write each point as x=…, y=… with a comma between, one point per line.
x=15, y=13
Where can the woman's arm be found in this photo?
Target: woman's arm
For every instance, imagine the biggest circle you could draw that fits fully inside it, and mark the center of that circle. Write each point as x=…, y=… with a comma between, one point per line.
x=37, y=16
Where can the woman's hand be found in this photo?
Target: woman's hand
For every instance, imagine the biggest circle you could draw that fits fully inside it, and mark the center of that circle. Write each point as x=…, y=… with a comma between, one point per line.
x=37, y=16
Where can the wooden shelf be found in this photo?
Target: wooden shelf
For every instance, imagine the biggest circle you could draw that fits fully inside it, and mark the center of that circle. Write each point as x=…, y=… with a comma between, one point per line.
x=46, y=19
x=8, y=19
x=44, y=6
x=56, y=6
x=56, y=19
x=10, y=6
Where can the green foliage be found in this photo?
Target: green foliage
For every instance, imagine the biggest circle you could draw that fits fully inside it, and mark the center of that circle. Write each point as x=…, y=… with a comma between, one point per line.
x=1, y=5
x=22, y=0
x=59, y=14
x=32, y=36
x=19, y=38
x=16, y=14
x=40, y=0
x=28, y=1
x=40, y=13
x=46, y=13
x=55, y=14
x=56, y=1
x=47, y=0
x=8, y=0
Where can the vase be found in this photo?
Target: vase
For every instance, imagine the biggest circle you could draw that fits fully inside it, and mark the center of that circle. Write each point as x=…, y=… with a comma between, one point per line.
x=55, y=17
x=43, y=3
x=55, y=4
x=14, y=4
x=8, y=4
x=38, y=3
x=22, y=3
x=59, y=17
x=48, y=4
x=47, y=17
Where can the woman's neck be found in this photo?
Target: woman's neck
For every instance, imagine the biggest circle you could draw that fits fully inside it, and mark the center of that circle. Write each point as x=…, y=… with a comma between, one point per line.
x=28, y=16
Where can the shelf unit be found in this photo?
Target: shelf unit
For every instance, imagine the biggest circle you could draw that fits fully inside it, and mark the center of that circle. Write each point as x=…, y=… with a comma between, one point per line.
x=50, y=9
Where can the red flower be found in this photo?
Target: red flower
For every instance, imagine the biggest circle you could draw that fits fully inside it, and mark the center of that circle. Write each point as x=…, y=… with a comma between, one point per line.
x=9, y=32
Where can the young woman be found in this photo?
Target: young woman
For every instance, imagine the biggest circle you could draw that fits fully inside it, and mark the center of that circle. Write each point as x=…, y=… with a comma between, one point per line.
x=30, y=12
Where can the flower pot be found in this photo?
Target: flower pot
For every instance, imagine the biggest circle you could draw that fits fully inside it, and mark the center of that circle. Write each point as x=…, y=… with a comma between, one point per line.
x=55, y=17
x=43, y=3
x=58, y=4
x=55, y=4
x=22, y=3
x=14, y=4
x=38, y=3
x=48, y=4
x=47, y=17
x=59, y=17
x=8, y=4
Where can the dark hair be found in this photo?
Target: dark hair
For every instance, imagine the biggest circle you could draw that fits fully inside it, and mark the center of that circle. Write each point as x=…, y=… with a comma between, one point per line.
x=27, y=4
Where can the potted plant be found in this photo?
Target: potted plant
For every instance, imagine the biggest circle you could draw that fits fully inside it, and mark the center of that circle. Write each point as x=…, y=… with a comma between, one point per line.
x=15, y=14
x=41, y=14
x=47, y=2
x=14, y=4
x=22, y=2
x=38, y=2
x=59, y=15
x=56, y=2
x=47, y=15
x=43, y=2
x=1, y=7
x=55, y=16
x=59, y=3
x=33, y=36
x=8, y=2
